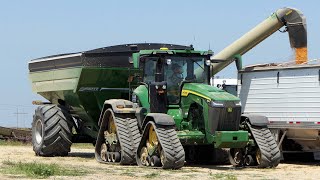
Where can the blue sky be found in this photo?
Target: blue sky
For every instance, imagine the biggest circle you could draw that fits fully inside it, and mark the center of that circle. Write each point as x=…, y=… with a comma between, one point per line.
x=32, y=29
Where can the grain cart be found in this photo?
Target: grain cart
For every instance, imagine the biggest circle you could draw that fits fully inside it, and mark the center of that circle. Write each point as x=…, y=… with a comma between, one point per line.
x=150, y=104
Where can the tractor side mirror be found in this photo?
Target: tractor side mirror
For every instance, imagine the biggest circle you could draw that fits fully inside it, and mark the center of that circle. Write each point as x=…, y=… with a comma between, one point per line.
x=130, y=59
x=168, y=61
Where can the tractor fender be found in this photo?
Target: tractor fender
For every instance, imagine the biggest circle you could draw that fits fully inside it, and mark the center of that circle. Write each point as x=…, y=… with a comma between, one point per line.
x=256, y=120
x=119, y=106
x=159, y=119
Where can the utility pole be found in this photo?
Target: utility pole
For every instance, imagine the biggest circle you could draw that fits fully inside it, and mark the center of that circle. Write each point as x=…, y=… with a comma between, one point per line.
x=17, y=114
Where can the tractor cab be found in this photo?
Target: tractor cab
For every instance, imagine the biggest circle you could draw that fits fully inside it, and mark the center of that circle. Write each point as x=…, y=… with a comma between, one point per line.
x=164, y=73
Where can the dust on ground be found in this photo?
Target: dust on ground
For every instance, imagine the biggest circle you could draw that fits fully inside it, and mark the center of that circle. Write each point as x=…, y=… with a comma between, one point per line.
x=83, y=158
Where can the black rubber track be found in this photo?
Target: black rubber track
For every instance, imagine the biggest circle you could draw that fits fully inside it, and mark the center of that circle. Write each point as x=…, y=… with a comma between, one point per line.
x=270, y=152
x=173, y=150
x=56, y=131
x=128, y=135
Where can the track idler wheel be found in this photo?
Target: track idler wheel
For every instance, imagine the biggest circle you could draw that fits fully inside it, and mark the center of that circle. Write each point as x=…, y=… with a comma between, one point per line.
x=248, y=161
x=155, y=161
x=115, y=157
x=236, y=156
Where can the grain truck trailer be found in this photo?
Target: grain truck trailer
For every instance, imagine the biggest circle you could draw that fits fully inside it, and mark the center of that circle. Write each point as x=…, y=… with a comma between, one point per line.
x=289, y=95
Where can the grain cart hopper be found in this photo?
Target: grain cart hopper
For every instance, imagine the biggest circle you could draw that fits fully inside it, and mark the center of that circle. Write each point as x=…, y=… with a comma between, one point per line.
x=173, y=114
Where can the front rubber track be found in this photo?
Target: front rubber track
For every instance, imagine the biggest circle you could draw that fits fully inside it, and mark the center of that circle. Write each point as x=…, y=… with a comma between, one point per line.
x=173, y=150
x=270, y=152
x=128, y=136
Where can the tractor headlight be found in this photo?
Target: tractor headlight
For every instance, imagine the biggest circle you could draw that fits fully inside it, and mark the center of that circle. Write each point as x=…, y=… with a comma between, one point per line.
x=217, y=104
x=164, y=87
x=237, y=103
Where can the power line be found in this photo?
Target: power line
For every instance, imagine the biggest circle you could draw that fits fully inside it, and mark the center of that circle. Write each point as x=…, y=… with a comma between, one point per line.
x=18, y=105
x=17, y=114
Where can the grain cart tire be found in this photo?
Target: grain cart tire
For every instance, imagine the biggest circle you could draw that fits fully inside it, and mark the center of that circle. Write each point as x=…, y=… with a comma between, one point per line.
x=51, y=131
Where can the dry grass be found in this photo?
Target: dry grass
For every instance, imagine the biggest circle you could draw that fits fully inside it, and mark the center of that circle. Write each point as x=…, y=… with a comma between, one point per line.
x=38, y=170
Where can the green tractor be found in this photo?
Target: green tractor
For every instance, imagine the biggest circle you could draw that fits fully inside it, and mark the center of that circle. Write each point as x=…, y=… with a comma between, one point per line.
x=152, y=104
x=149, y=104
x=175, y=116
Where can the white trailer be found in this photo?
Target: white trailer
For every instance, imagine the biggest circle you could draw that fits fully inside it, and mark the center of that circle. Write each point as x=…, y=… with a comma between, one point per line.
x=290, y=97
x=228, y=84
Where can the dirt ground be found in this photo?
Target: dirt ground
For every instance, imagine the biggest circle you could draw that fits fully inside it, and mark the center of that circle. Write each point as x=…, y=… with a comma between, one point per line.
x=83, y=158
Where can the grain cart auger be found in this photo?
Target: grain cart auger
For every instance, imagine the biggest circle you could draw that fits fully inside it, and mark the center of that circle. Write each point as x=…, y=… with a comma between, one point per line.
x=265, y=149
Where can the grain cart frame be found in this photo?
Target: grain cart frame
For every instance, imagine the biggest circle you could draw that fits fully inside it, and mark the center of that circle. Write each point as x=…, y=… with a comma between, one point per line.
x=153, y=130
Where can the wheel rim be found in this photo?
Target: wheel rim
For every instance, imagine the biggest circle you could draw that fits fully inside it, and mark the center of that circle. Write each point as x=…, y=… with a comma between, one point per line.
x=112, y=134
x=113, y=157
x=237, y=157
x=109, y=157
x=248, y=160
x=152, y=140
x=258, y=156
x=103, y=153
x=143, y=156
x=38, y=133
x=111, y=126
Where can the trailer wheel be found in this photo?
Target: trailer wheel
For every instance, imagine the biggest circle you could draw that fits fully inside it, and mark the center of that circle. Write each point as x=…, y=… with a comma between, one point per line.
x=51, y=131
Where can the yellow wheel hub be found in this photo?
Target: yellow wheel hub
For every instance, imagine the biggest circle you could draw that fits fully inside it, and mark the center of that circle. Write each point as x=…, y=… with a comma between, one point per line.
x=258, y=156
x=153, y=139
x=103, y=152
x=111, y=126
x=143, y=156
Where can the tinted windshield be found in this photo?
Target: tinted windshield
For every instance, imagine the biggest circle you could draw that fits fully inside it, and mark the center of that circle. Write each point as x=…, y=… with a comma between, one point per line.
x=187, y=69
x=175, y=70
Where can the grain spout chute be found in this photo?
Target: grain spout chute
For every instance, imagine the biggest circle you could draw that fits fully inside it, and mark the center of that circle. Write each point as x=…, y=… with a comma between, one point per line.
x=292, y=19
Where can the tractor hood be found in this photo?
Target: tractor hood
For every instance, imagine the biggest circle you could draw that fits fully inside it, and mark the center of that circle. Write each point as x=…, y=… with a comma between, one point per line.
x=208, y=92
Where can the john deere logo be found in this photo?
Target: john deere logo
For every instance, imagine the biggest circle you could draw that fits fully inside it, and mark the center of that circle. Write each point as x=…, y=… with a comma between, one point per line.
x=229, y=109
